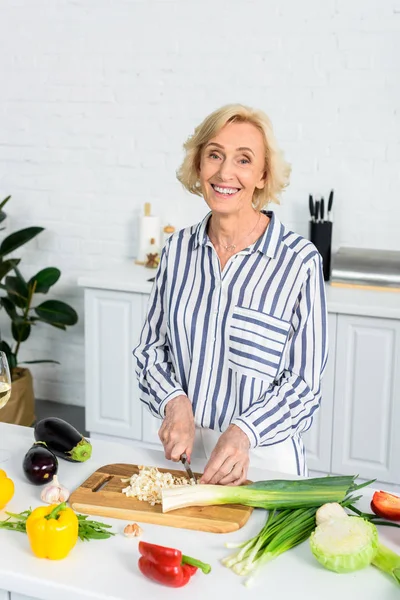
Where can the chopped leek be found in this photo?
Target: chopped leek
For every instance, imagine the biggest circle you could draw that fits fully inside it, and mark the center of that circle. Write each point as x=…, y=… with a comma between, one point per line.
x=348, y=544
x=273, y=494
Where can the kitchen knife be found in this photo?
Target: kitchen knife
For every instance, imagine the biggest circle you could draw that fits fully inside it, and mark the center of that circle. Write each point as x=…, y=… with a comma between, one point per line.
x=311, y=206
x=322, y=209
x=316, y=214
x=189, y=471
x=330, y=202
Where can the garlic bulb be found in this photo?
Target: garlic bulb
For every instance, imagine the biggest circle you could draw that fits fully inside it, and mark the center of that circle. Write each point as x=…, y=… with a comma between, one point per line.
x=54, y=492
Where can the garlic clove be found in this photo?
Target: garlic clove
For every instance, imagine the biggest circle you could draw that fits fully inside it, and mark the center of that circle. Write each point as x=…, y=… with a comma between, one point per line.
x=133, y=530
x=54, y=492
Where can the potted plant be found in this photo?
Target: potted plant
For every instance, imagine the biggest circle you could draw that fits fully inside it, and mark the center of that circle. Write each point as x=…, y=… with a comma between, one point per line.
x=18, y=299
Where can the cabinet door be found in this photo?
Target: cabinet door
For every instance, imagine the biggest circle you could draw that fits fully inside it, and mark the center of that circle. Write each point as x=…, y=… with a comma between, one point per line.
x=318, y=439
x=366, y=438
x=113, y=321
x=4, y=595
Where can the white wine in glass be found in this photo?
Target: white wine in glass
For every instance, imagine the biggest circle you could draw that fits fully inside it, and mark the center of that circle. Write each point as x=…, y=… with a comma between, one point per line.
x=5, y=393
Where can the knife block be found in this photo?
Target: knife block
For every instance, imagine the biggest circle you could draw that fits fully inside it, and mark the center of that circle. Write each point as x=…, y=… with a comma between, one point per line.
x=320, y=234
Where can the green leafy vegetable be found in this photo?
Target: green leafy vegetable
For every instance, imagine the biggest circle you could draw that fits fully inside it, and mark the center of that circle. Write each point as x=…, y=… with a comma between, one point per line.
x=87, y=529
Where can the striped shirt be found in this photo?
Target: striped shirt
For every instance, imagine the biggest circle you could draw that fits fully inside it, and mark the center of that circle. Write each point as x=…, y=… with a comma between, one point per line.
x=247, y=345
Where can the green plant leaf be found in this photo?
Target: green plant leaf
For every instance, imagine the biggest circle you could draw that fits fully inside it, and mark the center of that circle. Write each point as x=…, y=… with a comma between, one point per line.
x=45, y=279
x=4, y=202
x=31, y=362
x=11, y=358
x=56, y=313
x=4, y=347
x=7, y=265
x=57, y=325
x=20, y=330
x=17, y=239
x=17, y=291
x=9, y=306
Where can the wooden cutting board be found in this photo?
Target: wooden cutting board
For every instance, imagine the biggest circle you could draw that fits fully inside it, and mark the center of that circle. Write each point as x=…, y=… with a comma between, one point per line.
x=101, y=495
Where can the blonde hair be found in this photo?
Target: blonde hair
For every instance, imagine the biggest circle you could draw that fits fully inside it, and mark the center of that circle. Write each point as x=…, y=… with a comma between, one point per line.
x=277, y=169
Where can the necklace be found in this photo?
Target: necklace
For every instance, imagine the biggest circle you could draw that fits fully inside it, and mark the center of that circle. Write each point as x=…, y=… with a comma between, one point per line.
x=231, y=247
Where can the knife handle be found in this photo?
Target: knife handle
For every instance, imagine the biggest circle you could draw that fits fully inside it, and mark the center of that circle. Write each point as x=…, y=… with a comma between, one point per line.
x=185, y=458
x=322, y=209
x=330, y=201
x=311, y=206
x=316, y=211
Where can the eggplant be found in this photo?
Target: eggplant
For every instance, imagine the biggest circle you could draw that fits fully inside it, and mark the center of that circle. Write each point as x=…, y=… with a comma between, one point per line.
x=40, y=464
x=63, y=439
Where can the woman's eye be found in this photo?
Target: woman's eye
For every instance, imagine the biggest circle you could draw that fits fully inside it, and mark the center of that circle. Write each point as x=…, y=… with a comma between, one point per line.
x=244, y=161
x=213, y=155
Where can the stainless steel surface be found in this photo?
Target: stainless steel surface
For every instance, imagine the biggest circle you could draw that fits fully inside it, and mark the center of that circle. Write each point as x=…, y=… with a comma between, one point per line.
x=366, y=267
x=189, y=471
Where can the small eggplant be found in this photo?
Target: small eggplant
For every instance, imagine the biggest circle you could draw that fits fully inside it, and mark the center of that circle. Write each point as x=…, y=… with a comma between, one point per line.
x=63, y=439
x=40, y=464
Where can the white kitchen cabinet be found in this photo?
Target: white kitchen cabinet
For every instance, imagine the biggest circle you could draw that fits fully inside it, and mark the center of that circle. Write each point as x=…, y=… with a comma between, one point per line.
x=366, y=422
x=113, y=322
x=14, y=596
x=4, y=595
x=355, y=429
x=318, y=439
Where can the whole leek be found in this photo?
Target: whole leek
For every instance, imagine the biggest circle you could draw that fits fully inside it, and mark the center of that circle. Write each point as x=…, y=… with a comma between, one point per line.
x=273, y=494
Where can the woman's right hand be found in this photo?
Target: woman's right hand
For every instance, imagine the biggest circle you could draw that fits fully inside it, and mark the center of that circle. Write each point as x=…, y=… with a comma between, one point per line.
x=178, y=429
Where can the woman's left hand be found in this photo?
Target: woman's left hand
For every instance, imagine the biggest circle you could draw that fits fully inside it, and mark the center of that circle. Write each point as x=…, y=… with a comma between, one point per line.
x=229, y=461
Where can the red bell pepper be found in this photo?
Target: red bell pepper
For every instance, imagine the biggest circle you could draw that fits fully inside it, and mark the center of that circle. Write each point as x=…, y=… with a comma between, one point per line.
x=386, y=505
x=167, y=565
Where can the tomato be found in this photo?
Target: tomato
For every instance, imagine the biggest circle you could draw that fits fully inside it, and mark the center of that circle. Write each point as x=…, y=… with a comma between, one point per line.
x=386, y=505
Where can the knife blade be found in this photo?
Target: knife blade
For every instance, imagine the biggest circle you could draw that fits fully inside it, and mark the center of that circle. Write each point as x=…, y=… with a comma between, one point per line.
x=189, y=471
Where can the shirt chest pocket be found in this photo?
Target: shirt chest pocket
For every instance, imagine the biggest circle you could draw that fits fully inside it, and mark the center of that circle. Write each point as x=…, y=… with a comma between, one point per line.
x=256, y=343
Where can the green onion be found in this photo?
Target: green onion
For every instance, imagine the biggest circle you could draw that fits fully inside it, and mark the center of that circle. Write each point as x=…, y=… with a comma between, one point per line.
x=273, y=494
x=282, y=531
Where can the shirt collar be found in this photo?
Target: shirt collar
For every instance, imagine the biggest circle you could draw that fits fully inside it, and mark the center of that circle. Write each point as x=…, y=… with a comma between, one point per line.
x=267, y=244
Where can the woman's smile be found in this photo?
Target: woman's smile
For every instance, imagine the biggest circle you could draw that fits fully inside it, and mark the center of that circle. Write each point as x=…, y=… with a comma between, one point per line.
x=222, y=191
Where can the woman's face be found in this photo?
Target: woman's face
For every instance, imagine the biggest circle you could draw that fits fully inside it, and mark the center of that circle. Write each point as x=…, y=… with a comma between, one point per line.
x=232, y=166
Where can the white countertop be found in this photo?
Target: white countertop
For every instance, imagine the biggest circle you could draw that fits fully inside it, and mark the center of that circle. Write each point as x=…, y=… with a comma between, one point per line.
x=107, y=569
x=130, y=277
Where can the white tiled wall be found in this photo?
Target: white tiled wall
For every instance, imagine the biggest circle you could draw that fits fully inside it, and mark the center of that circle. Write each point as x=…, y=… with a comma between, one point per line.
x=97, y=98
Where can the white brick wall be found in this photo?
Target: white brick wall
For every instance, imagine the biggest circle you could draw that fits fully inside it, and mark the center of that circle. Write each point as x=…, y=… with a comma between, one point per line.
x=97, y=97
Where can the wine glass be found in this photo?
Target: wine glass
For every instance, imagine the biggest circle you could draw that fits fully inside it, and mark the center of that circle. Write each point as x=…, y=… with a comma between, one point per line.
x=5, y=393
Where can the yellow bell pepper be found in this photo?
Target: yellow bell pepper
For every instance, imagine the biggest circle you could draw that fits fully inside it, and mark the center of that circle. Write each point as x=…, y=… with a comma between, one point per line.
x=6, y=489
x=52, y=531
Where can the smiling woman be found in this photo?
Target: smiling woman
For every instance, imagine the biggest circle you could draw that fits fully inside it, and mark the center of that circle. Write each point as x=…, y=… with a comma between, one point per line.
x=234, y=345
